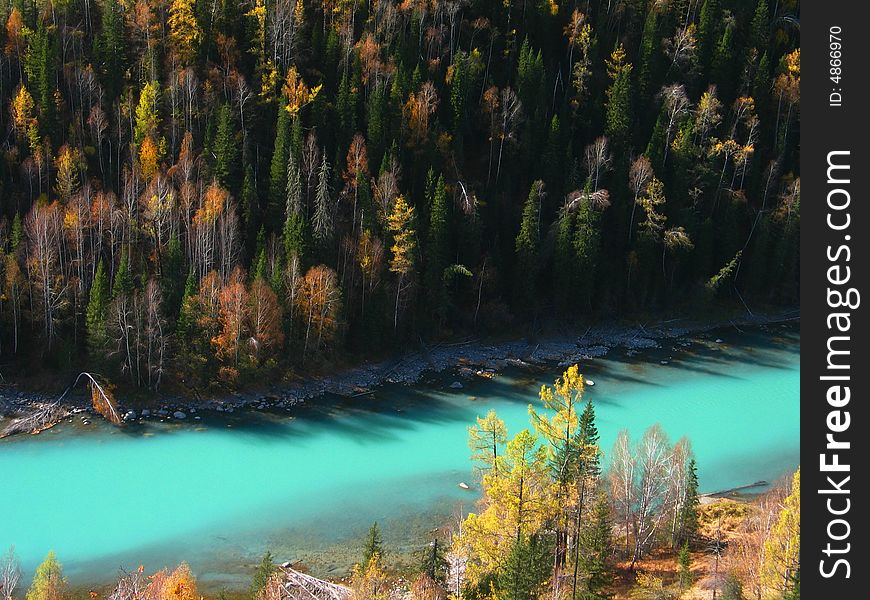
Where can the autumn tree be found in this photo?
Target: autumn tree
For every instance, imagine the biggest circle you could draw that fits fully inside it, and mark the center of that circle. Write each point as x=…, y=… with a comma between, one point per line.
x=320, y=307
x=486, y=440
x=184, y=31
x=48, y=581
x=400, y=223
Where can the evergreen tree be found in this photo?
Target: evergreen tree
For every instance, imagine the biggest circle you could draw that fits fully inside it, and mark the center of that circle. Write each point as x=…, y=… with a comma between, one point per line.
x=708, y=21
x=226, y=148
x=618, y=106
x=433, y=564
x=527, y=566
x=527, y=248
x=597, y=550
x=294, y=226
x=17, y=232
x=732, y=589
x=110, y=48
x=688, y=518
x=322, y=222
x=278, y=170
x=250, y=205
x=261, y=576
x=437, y=249
x=684, y=564
x=98, y=306
x=172, y=280
x=123, y=285
x=373, y=546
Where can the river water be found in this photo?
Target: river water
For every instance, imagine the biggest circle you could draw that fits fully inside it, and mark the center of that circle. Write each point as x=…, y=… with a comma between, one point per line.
x=217, y=493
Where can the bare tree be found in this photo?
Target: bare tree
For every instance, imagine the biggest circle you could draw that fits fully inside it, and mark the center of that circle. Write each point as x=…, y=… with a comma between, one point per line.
x=511, y=112
x=639, y=175
x=10, y=574
x=598, y=159
x=676, y=105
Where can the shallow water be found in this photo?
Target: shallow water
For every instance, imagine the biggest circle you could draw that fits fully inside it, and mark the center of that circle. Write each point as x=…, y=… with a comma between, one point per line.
x=218, y=493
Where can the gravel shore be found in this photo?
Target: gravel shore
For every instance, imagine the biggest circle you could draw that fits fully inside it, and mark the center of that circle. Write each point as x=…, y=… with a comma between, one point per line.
x=472, y=357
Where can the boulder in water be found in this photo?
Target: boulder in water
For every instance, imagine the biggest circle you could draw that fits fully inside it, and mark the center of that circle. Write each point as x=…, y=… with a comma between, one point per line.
x=456, y=385
x=464, y=485
x=179, y=415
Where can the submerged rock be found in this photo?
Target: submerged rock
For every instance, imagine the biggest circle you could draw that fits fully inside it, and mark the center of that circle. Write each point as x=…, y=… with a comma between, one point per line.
x=456, y=385
x=179, y=415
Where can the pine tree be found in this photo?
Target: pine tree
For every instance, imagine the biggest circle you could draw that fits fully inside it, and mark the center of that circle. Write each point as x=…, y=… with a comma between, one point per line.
x=732, y=589
x=17, y=232
x=261, y=576
x=684, y=564
x=110, y=48
x=293, y=235
x=437, y=249
x=250, y=205
x=709, y=19
x=278, y=170
x=618, y=106
x=526, y=568
x=123, y=285
x=433, y=564
x=373, y=546
x=688, y=518
x=527, y=248
x=98, y=306
x=322, y=222
x=226, y=148
x=172, y=280
x=597, y=550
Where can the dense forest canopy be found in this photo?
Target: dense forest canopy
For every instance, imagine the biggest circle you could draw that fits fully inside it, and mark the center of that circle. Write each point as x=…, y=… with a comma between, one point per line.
x=199, y=190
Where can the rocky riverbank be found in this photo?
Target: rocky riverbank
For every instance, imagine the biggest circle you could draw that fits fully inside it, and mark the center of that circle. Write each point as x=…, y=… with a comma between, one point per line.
x=471, y=358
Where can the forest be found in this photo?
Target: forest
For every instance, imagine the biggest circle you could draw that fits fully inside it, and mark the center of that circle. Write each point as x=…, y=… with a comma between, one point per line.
x=208, y=192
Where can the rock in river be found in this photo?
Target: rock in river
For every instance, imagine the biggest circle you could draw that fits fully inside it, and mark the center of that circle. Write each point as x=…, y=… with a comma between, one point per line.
x=456, y=385
x=179, y=415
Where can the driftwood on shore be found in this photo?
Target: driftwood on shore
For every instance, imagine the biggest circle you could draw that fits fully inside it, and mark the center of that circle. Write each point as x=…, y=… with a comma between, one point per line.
x=40, y=419
x=290, y=584
x=47, y=414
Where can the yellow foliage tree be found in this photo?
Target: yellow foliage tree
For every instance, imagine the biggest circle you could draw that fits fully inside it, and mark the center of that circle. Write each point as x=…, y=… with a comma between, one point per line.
x=486, y=439
x=184, y=31
x=369, y=582
x=782, y=549
x=297, y=92
x=519, y=498
x=148, y=158
x=400, y=223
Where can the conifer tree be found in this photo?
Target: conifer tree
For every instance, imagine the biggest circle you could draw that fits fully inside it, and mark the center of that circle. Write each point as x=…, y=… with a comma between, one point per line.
x=226, y=148
x=688, y=517
x=261, y=576
x=596, y=554
x=278, y=170
x=48, y=581
x=527, y=247
x=437, y=249
x=618, y=107
x=526, y=568
x=98, y=306
x=373, y=548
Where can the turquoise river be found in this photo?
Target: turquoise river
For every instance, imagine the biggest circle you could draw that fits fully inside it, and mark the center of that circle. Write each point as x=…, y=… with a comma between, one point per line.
x=217, y=493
